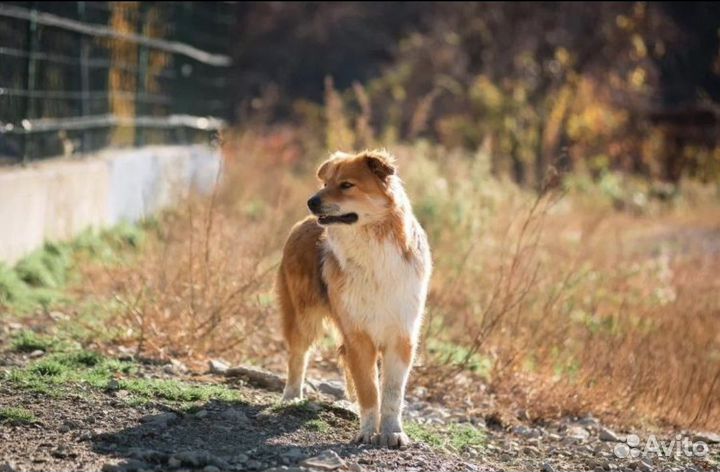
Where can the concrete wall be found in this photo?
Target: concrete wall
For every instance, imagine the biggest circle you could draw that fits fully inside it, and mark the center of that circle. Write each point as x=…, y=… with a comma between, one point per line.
x=57, y=199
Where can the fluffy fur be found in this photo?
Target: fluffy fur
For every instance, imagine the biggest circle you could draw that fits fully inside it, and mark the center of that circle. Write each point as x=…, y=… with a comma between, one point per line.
x=363, y=262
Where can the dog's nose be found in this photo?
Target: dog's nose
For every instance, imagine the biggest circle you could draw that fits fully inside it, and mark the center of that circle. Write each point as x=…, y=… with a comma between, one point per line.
x=314, y=204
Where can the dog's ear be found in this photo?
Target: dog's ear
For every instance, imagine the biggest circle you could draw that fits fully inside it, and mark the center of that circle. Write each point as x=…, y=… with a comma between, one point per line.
x=322, y=170
x=381, y=164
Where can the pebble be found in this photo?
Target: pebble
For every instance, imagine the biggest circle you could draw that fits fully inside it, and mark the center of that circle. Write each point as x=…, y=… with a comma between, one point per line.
x=577, y=432
x=133, y=465
x=210, y=468
x=295, y=454
x=201, y=414
x=286, y=469
x=327, y=460
x=148, y=455
x=218, y=366
x=333, y=388
x=234, y=415
x=159, y=419
x=707, y=437
x=526, y=432
x=588, y=421
x=174, y=462
x=547, y=467
x=240, y=458
x=606, y=434
x=37, y=353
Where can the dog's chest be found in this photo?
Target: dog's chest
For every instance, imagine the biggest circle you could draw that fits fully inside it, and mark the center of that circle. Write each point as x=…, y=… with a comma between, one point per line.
x=382, y=293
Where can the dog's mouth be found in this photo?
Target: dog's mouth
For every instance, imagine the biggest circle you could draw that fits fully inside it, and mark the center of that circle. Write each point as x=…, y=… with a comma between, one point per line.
x=346, y=219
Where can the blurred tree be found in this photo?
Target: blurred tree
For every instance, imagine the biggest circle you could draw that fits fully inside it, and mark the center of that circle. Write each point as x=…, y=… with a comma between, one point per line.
x=570, y=84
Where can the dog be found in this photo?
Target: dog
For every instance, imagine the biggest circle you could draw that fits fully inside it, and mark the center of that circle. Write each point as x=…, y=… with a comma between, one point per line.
x=361, y=260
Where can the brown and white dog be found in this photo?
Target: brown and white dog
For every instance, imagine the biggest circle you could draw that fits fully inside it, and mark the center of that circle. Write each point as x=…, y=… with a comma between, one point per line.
x=363, y=262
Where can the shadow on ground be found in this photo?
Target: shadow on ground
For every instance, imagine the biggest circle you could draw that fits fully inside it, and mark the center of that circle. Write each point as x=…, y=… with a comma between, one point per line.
x=229, y=436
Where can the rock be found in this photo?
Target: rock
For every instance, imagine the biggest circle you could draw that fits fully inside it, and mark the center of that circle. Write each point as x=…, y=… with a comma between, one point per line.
x=606, y=434
x=162, y=418
x=258, y=377
x=134, y=465
x=7, y=467
x=643, y=466
x=218, y=366
x=253, y=465
x=345, y=409
x=240, y=459
x=707, y=437
x=327, y=460
x=547, y=467
x=234, y=415
x=286, y=469
x=294, y=454
x=174, y=462
x=577, y=432
x=210, y=468
x=68, y=425
x=37, y=353
x=355, y=467
x=588, y=421
x=61, y=452
x=526, y=432
x=175, y=367
x=148, y=455
x=193, y=458
x=201, y=414
x=333, y=388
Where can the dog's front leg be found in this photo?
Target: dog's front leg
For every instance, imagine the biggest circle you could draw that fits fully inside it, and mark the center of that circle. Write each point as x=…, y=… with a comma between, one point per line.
x=396, y=363
x=362, y=360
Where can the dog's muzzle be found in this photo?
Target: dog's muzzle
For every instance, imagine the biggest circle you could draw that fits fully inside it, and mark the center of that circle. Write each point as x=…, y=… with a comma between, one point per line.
x=324, y=213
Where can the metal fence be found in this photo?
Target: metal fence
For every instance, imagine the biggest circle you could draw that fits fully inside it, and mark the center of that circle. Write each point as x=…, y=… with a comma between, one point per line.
x=80, y=76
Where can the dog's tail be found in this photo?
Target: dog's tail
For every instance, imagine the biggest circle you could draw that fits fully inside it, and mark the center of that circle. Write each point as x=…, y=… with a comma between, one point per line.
x=349, y=385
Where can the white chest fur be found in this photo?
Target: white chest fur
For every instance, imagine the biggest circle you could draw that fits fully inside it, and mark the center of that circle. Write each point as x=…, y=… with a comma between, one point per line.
x=382, y=292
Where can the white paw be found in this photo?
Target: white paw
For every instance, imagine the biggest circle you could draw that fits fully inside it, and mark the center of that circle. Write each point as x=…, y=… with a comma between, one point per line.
x=393, y=440
x=364, y=437
x=291, y=395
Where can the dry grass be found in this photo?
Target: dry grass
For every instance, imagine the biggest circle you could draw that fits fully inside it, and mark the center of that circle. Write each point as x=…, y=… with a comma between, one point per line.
x=556, y=305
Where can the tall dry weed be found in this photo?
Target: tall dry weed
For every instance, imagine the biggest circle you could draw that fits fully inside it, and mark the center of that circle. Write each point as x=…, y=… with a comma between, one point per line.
x=540, y=304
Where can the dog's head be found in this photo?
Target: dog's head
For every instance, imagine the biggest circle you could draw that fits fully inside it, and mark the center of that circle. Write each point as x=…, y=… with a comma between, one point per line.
x=355, y=188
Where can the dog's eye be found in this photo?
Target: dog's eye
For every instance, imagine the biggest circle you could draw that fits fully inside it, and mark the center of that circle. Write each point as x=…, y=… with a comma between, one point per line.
x=346, y=185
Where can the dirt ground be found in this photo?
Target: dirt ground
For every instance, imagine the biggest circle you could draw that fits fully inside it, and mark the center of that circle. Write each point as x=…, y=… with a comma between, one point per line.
x=80, y=428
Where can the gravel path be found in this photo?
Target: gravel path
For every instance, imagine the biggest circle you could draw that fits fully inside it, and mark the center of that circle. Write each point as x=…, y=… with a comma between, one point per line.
x=81, y=428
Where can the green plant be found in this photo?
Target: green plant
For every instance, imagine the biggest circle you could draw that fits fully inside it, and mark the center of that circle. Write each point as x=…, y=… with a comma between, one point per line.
x=29, y=341
x=14, y=415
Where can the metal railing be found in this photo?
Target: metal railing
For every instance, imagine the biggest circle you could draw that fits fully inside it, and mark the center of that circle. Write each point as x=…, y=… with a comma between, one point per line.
x=79, y=76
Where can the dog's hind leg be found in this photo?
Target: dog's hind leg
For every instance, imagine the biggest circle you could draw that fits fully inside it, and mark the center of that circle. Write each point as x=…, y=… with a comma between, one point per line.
x=350, y=392
x=302, y=326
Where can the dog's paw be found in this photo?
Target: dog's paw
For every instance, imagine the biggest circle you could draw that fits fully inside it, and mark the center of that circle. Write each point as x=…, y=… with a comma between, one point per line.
x=364, y=437
x=393, y=440
x=291, y=395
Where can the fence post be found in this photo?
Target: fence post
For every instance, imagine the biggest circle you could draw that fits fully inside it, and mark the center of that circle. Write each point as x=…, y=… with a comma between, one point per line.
x=84, y=78
x=143, y=57
x=32, y=40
